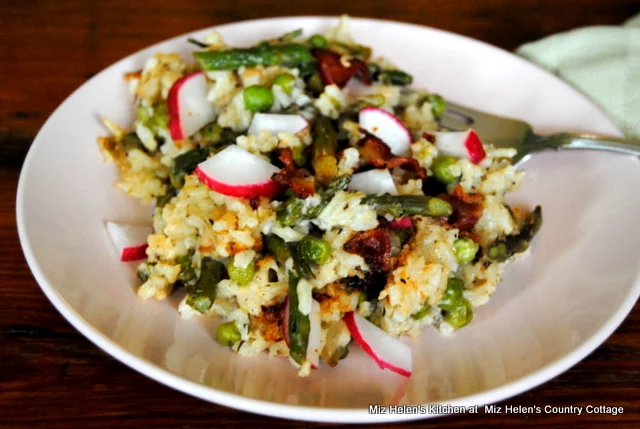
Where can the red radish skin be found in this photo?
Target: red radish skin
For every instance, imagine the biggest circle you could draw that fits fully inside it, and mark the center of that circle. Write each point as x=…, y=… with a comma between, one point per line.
x=134, y=253
x=129, y=241
x=188, y=107
x=236, y=172
x=357, y=336
x=387, y=128
x=265, y=189
x=401, y=223
x=461, y=144
x=175, y=130
x=474, y=147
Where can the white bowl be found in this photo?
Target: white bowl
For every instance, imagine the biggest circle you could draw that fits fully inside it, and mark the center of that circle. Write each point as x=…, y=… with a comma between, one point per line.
x=555, y=306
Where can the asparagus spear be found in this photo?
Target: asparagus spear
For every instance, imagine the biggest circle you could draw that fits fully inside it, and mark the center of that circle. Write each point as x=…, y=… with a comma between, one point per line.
x=292, y=211
x=288, y=55
x=299, y=325
x=337, y=184
x=409, y=205
x=501, y=250
x=278, y=248
x=324, y=160
x=203, y=293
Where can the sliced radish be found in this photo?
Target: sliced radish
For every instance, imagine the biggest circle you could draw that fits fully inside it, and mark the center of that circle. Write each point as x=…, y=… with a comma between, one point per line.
x=238, y=173
x=462, y=144
x=387, y=128
x=355, y=88
x=401, y=223
x=130, y=241
x=373, y=182
x=315, y=335
x=276, y=123
x=189, y=109
x=388, y=352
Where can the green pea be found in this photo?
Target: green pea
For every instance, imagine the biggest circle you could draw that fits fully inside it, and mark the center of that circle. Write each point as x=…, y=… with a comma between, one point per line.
x=228, y=334
x=438, y=105
x=457, y=310
x=459, y=316
x=242, y=276
x=445, y=169
x=257, y=98
x=142, y=114
x=286, y=81
x=314, y=250
x=452, y=295
x=318, y=41
x=315, y=83
x=465, y=250
x=497, y=252
x=211, y=133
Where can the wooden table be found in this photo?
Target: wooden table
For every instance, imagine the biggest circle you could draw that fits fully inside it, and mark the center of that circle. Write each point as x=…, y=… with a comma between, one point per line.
x=51, y=376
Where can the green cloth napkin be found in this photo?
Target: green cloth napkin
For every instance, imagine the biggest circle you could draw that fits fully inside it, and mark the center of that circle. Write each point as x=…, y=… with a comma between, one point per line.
x=603, y=62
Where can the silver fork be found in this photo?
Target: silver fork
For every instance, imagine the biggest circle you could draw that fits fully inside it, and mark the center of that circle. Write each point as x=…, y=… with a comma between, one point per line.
x=512, y=133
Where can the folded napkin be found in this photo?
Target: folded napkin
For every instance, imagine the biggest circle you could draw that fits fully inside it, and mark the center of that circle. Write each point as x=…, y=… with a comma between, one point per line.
x=602, y=62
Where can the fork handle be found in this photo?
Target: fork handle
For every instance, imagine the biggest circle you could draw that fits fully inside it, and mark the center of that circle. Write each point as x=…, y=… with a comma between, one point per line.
x=564, y=141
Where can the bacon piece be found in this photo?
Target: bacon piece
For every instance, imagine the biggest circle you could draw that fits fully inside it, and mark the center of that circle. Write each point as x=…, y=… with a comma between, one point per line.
x=333, y=70
x=299, y=180
x=269, y=322
x=374, y=246
x=378, y=154
x=467, y=209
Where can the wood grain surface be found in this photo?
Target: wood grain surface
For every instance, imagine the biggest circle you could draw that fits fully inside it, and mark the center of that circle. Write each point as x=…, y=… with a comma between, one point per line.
x=51, y=376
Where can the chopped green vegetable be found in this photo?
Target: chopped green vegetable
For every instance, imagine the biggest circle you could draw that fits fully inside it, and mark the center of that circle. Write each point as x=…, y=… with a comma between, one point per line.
x=465, y=250
x=204, y=292
x=187, y=162
x=438, y=105
x=398, y=206
x=286, y=81
x=211, y=133
x=242, y=276
x=314, y=250
x=318, y=41
x=257, y=98
x=299, y=325
x=445, y=169
x=187, y=273
x=422, y=313
x=287, y=55
x=228, y=334
x=132, y=141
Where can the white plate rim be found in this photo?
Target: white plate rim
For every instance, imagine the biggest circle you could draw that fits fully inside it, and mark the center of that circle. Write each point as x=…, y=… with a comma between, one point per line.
x=303, y=413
